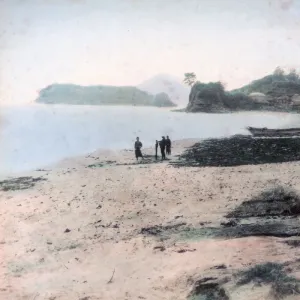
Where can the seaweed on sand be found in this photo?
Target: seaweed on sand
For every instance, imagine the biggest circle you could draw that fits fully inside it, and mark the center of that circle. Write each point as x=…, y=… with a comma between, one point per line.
x=240, y=150
x=20, y=183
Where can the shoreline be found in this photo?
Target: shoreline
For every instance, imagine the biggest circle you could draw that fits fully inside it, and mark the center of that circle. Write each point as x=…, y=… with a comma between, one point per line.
x=107, y=153
x=93, y=228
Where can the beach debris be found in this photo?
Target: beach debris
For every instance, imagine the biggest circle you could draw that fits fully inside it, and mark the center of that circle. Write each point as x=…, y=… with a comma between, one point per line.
x=292, y=243
x=230, y=223
x=159, y=247
x=219, y=267
x=67, y=230
x=273, y=274
x=97, y=165
x=177, y=217
x=208, y=288
x=158, y=229
x=185, y=250
x=276, y=201
x=101, y=164
x=112, y=276
x=20, y=183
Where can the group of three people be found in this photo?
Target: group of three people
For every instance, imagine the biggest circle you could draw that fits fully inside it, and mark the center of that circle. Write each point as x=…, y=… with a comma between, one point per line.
x=165, y=147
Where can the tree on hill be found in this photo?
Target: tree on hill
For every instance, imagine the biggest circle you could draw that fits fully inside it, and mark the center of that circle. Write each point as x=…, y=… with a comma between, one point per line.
x=189, y=78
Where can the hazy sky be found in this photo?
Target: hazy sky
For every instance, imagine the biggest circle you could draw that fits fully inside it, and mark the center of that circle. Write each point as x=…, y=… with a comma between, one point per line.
x=123, y=42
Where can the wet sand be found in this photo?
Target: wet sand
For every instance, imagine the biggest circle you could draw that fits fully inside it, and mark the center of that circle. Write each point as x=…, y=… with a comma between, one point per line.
x=78, y=234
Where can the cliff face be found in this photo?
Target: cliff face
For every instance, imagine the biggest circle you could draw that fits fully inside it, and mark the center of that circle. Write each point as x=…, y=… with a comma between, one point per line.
x=205, y=99
x=100, y=95
x=274, y=96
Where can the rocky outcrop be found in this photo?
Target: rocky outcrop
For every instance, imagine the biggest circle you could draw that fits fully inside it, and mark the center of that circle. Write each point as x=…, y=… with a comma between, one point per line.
x=206, y=98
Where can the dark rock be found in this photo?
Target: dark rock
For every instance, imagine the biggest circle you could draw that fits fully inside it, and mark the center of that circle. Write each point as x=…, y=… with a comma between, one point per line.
x=67, y=230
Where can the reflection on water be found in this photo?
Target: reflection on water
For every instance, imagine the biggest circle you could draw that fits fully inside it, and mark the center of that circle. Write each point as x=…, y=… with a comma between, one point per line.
x=36, y=135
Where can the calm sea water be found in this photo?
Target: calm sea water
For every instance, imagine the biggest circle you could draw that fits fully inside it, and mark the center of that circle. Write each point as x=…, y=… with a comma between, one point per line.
x=37, y=135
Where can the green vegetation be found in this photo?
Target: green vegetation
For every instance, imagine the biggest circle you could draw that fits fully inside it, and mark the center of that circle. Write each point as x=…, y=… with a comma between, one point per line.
x=282, y=285
x=100, y=95
x=213, y=97
x=211, y=87
x=189, y=78
x=277, y=83
x=20, y=183
x=275, y=92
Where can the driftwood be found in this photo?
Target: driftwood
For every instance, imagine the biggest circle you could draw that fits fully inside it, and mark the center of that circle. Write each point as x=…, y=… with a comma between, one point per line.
x=112, y=276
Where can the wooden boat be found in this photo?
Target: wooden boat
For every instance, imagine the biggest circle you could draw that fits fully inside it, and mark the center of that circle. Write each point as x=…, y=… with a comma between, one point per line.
x=266, y=132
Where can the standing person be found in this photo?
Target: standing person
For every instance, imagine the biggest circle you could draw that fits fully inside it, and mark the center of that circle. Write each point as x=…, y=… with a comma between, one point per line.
x=168, y=145
x=137, y=146
x=162, y=145
x=156, y=146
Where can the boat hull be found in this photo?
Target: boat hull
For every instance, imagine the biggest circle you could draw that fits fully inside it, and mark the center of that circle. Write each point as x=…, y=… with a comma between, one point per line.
x=265, y=132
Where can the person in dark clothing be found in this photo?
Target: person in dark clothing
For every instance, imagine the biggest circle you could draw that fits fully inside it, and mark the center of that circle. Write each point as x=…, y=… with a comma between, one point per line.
x=138, y=146
x=156, y=146
x=168, y=145
x=162, y=145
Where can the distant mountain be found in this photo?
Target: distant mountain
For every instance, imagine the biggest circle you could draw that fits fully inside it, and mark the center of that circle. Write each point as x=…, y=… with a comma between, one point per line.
x=101, y=95
x=164, y=83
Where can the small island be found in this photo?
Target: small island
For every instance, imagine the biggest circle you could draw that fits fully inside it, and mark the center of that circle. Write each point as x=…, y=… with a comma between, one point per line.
x=101, y=95
x=278, y=92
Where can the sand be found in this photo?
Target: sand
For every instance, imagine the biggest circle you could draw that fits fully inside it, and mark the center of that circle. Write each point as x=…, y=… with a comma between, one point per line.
x=77, y=235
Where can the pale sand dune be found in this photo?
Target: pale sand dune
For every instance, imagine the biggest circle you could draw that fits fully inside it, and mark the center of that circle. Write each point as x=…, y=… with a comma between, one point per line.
x=39, y=260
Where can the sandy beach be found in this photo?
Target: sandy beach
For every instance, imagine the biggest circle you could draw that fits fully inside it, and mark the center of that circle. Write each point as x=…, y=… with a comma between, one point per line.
x=105, y=227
